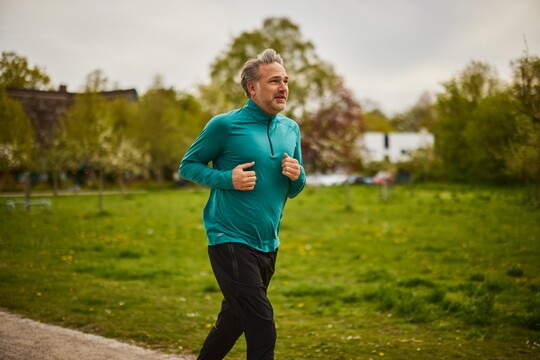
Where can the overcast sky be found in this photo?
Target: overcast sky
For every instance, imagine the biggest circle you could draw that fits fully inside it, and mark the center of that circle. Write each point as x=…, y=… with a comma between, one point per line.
x=388, y=51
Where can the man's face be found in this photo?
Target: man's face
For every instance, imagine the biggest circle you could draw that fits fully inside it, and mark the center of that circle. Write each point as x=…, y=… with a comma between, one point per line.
x=272, y=90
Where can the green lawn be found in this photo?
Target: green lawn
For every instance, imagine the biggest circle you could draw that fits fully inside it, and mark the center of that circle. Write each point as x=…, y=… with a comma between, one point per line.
x=447, y=272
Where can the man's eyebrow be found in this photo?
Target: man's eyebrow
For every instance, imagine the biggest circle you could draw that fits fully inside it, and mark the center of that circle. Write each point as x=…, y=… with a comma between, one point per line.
x=278, y=77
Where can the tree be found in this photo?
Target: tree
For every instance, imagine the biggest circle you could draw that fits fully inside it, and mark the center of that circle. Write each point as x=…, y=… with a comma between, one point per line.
x=311, y=78
x=95, y=134
x=473, y=125
x=124, y=156
x=419, y=116
x=376, y=120
x=53, y=156
x=16, y=140
x=488, y=136
x=96, y=81
x=17, y=135
x=330, y=134
x=421, y=165
x=166, y=125
x=524, y=155
x=15, y=72
x=315, y=89
x=85, y=133
x=193, y=120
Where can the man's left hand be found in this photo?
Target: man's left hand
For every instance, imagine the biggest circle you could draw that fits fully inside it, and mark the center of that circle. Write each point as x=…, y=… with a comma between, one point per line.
x=290, y=167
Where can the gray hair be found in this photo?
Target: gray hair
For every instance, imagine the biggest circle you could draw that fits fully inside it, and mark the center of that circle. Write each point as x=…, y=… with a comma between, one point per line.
x=250, y=71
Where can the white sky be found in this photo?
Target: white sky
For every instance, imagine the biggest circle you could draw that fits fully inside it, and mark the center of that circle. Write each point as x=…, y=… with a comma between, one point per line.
x=388, y=51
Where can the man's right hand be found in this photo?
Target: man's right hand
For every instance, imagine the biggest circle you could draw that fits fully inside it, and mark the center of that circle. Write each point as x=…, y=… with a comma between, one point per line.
x=244, y=180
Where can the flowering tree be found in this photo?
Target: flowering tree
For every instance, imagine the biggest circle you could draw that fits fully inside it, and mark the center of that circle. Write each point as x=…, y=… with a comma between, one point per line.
x=17, y=145
x=90, y=134
x=120, y=156
x=330, y=134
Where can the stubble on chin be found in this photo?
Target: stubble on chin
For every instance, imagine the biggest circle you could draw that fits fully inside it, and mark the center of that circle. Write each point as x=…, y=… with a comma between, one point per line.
x=276, y=107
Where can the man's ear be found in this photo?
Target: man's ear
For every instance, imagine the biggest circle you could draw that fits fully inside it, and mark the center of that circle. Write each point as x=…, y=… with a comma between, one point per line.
x=251, y=88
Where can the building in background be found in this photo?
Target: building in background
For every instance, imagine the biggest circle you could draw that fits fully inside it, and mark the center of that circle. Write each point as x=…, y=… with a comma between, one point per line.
x=44, y=108
x=395, y=147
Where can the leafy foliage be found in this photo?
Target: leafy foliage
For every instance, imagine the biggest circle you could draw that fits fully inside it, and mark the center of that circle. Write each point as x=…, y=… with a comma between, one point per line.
x=376, y=120
x=17, y=135
x=310, y=78
x=165, y=126
x=475, y=119
x=524, y=153
x=330, y=133
x=420, y=116
x=15, y=72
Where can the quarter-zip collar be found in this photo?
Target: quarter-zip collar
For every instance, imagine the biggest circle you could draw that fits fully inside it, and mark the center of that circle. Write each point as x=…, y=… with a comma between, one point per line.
x=257, y=113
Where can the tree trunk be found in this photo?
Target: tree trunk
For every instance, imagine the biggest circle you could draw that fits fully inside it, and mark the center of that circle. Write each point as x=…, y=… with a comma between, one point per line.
x=527, y=194
x=100, y=195
x=536, y=199
x=122, y=184
x=411, y=180
x=27, y=191
x=55, y=183
x=160, y=176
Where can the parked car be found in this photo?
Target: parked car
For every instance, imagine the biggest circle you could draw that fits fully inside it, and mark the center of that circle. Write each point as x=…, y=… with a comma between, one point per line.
x=336, y=179
x=383, y=178
x=326, y=179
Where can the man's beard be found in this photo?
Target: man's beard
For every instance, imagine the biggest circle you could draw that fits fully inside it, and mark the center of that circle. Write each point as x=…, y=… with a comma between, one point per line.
x=275, y=107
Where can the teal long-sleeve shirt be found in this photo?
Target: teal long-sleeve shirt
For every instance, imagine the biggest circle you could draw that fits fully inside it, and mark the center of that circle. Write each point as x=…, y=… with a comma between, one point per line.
x=242, y=136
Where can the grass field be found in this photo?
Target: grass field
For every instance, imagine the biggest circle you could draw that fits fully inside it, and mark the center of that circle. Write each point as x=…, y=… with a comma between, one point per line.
x=446, y=272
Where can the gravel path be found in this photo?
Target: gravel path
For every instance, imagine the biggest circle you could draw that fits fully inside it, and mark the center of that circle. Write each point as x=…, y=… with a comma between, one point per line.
x=24, y=339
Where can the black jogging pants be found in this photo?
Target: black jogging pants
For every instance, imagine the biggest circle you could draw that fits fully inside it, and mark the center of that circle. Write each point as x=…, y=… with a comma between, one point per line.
x=243, y=275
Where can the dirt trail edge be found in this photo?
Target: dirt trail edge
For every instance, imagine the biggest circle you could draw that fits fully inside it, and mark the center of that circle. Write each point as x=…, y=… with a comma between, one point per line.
x=24, y=339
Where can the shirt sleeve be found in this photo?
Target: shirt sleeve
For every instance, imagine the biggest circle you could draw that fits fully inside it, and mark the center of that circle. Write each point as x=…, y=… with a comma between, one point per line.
x=206, y=148
x=296, y=186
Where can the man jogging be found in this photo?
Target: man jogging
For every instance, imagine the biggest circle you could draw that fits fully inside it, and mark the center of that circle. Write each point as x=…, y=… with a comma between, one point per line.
x=256, y=166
